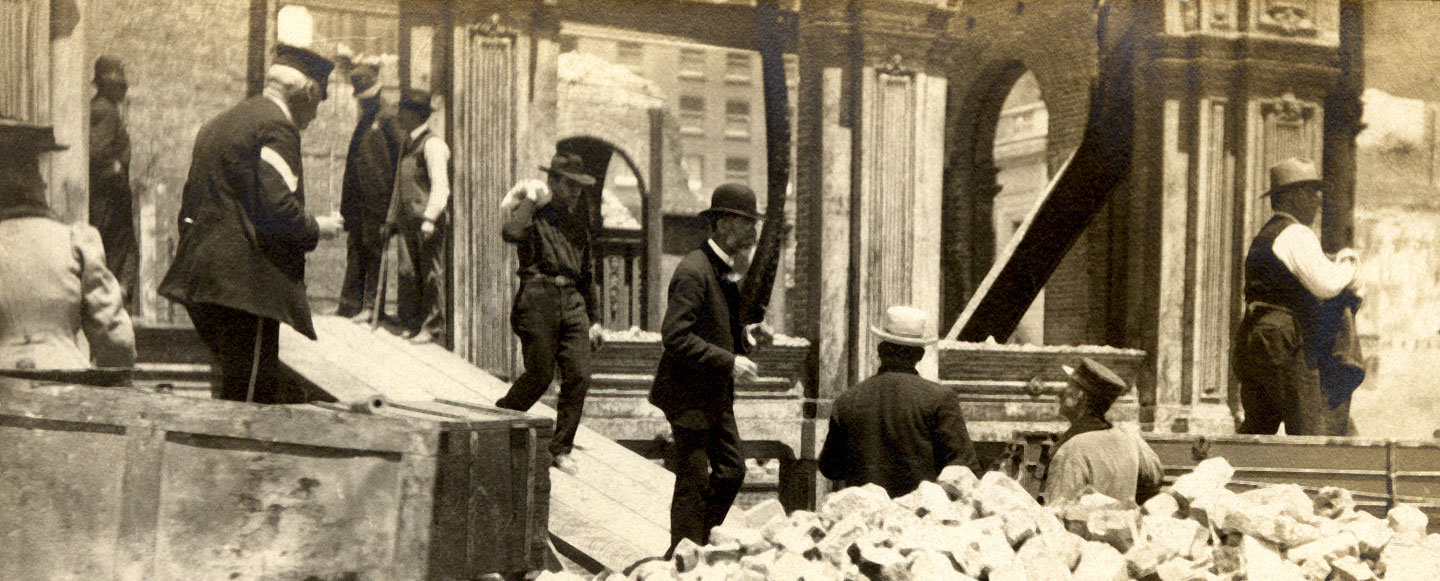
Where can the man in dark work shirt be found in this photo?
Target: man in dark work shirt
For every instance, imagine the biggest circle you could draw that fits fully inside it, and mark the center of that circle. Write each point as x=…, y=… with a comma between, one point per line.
x=555, y=313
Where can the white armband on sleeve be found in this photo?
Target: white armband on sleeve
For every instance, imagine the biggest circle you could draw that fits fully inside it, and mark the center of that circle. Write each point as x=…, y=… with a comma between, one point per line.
x=273, y=158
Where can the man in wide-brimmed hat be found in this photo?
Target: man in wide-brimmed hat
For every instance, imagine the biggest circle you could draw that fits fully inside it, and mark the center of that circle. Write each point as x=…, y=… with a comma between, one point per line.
x=705, y=348
x=897, y=429
x=1287, y=277
x=365, y=191
x=111, y=203
x=1093, y=453
x=556, y=312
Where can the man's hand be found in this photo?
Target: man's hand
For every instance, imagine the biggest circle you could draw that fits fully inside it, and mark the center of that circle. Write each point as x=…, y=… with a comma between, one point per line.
x=760, y=334
x=427, y=229
x=1348, y=255
x=330, y=225
x=744, y=369
x=597, y=336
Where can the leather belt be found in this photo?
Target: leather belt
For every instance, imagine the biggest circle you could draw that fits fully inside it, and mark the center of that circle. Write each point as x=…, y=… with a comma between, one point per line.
x=558, y=280
x=1264, y=306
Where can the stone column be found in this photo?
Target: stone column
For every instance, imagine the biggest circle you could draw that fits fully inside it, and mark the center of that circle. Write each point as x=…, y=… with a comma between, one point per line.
x=1228, y=88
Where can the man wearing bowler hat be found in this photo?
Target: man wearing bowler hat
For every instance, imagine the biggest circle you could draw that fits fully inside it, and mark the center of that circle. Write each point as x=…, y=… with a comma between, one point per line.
x=1093, y=453
x=556, y=313
x=705, y=347
x=422, y=218
x=112, y=209
x=897, y=429
x=239, y=268
x=365, y=190
x=1287, y=277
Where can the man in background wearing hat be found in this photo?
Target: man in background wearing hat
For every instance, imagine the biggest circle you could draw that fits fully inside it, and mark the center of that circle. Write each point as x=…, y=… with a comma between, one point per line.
x=365, y=192
x=1093, y=453
x=1287, y=276
x=422, y=198
x=239, y=268
x=705, y=349
x=111, y=204
x=897, y=429
x=556, y=313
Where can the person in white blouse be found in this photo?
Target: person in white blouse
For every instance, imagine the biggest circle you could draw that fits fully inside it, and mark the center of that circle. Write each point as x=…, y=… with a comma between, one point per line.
x=1287, y=277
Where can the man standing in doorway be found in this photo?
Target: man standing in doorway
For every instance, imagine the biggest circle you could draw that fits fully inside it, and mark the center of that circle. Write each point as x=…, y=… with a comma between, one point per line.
x=422, y=201
x=112, y=210
x=365, y=193
x=705, y=347
x=1287, y=277
x=556, y=313
x=240, y=265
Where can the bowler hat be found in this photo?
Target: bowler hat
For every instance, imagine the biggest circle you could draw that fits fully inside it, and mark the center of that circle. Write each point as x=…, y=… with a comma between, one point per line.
x=1293, y=173
x=737, y=199
x=904, y=325
x=365, y=79
x=22, y=137
x=570, y=166
x=308, y=62
x=417, y=100
x=1097, y=379
x=109, y=68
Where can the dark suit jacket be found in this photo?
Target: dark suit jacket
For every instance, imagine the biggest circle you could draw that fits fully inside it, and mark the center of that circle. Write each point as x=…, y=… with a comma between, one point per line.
x=110, y=199
x=369, y=176
x=701, y=335
x=244, y=231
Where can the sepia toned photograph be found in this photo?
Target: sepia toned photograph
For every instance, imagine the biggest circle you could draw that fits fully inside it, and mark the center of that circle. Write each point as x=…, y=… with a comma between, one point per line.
x=698, y=290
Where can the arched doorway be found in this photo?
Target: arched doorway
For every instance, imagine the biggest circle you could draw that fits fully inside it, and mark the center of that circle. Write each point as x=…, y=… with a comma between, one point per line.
x=1019, y=154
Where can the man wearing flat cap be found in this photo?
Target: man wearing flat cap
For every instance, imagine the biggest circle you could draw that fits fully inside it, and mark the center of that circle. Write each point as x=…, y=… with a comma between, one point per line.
x=422, y=217
x=1287, y=278
x=1093, y=453
x=556, y=313
x=705, y=353
x=111, y=203
x=239, y=268
x=897, y=429
x=365, y=192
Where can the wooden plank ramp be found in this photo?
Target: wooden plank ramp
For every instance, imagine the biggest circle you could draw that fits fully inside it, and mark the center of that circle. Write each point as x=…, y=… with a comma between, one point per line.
x=614, y=513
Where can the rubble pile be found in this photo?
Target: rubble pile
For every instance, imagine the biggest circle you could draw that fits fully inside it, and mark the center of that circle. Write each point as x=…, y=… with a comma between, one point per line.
x=966, y=528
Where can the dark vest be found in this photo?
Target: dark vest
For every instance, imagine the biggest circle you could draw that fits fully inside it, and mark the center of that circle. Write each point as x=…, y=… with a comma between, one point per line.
x=1267, y=279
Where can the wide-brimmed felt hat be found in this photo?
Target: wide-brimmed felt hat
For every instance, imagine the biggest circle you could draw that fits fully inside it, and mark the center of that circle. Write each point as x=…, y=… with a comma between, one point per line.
x=569, y=166
x=1292, y=173
x=1097, y=379
x=25, y=137
x=308, y=62
x=905, y=325
x=109, y=68
x=736, y=199
x=365, y=79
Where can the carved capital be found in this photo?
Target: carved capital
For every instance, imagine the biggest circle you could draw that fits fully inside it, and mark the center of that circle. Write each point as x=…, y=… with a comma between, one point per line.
x=1287, y=17
x=1288, y=110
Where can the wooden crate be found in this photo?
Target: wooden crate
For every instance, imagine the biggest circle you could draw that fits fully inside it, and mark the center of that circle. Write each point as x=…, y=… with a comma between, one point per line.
x=109, y=483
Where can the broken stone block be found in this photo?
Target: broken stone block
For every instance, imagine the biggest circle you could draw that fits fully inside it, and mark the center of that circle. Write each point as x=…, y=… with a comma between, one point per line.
x=1185, y=538
x=1209, y=475
x=1407, y=560
x=714, y=555
x=1019, y=526
x=863, y=500
x=686, y=555
x=1289, y=499
x=795, y=539
x=994, y=552
x=927, y=498
x=1333, y=502
x=926, y=537
x=1406, y=520
x=655, y=571
x=760, y=562
x=1371, y=532
x=898, y=520
x=1274, y=522
x=1062, y=546
x=958, y=481
x=929, y=565
x=958, y=512
x=1211, y=509
x=789, y=567
x=836, y=544
x=1114, y=527
x=1262, y=560
x=761, y=514
x=1181, y=569
x=1314, y=569
x=878, y=561
x=1145, y=558
x=1100, y=562
x=1327, y=549
x=1163, y=504
x=1012, y=571
x=1351, y=569
x=1044, y=567
x=999, y=494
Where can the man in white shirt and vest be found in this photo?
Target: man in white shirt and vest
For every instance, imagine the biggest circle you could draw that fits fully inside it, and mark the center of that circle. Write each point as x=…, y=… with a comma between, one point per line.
x=421, y=205
x=1287, y=277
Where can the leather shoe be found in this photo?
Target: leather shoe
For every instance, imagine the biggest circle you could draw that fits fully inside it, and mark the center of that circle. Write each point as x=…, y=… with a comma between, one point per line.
x=422, y=337
x=362, y=316
x=565, y=463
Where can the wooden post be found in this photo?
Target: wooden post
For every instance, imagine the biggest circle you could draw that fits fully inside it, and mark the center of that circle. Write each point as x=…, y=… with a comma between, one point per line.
x=652, y=210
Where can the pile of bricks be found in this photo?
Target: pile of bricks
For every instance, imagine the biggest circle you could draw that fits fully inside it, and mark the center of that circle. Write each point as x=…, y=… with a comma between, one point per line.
x=966, y=528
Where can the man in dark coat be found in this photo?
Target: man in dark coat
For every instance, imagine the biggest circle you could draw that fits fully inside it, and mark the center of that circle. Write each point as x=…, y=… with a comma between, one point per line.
x=1287, y=279
x=365, y=193
x=240, y=265
x=897, y=429
x=705, y=349
x=111, y=203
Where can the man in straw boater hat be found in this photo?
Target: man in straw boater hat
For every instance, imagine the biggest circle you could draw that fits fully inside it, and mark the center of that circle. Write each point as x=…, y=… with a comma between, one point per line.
x=1093, y=453
x=556, y=313
x=897, y=429
x=239, y=268
x=705, y=353
x=1287, y=277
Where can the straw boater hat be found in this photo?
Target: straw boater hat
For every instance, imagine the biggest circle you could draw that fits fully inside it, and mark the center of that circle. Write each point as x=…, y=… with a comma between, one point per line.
x=1293, y=173
x=1097, y=379
x=904, y=326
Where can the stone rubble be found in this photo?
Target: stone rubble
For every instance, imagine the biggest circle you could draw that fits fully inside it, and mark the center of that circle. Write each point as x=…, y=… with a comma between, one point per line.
x=963, y=528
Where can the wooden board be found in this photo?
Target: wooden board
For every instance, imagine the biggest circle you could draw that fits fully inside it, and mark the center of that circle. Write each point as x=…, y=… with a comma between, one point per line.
x=615, y=512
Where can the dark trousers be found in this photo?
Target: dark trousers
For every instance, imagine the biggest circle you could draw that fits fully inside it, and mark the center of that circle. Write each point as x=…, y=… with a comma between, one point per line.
x=553, y=326
x=111, y=214
x=364, y=245
x=420, y=277
x=233, y=337
x=1280, y=379
x=709, y=469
